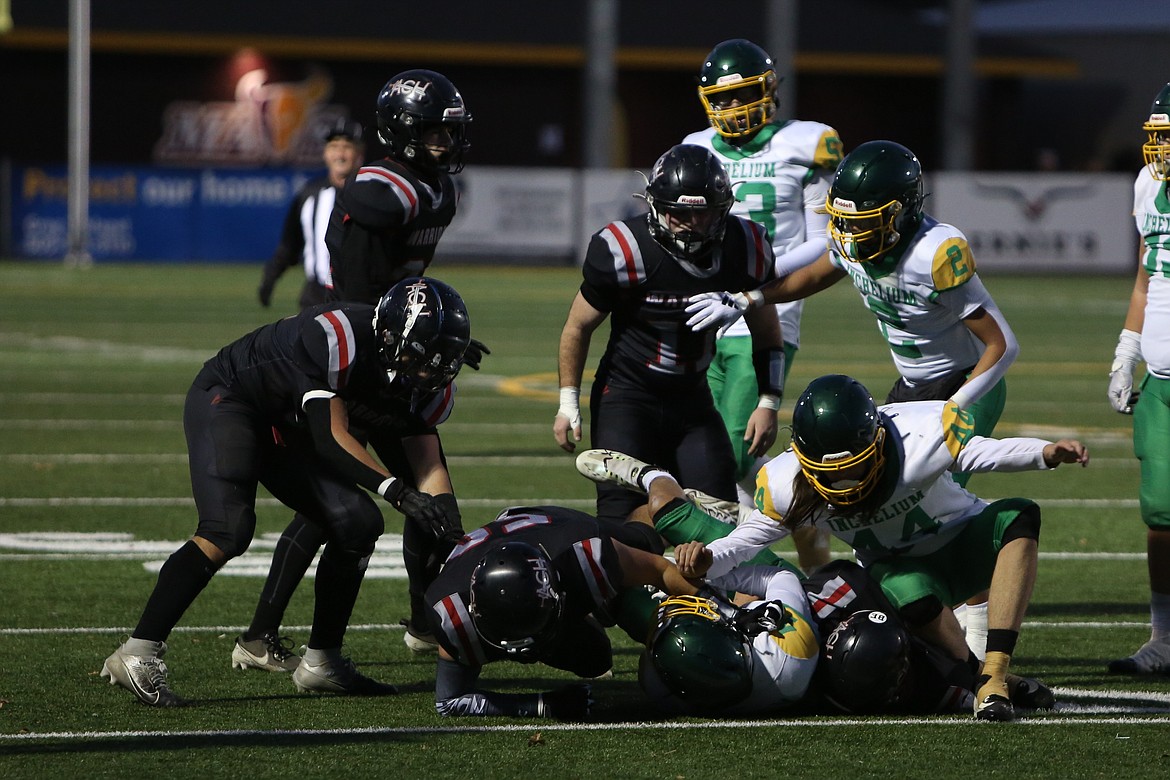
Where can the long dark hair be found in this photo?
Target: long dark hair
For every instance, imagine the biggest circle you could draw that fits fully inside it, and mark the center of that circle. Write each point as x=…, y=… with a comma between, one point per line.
x=807, y=503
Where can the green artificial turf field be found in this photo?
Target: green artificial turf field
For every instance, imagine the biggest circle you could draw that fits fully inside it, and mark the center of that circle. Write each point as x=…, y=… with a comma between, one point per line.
x=94, y=495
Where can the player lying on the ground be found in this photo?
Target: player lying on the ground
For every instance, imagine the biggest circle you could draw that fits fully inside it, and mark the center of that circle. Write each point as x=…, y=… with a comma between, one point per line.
x=880, y=480
x=525, y=588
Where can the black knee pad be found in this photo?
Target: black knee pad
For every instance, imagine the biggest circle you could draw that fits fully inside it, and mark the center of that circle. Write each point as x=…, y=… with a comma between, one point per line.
x=1025, y=526
x=919, y=613
x=356, y=524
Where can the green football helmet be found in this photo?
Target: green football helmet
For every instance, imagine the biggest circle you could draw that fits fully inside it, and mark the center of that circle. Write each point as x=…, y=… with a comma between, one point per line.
x=1156, y=149
x=737, y=87
x=875, y=200
x=699, y=655
x=839, y=438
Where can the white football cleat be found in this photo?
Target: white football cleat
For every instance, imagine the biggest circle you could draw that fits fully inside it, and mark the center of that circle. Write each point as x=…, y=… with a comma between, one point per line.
x=1151, y=658
x=144, y=675
x=722, y=510
x=270, y=653
x=338, y=675
x=616, y=468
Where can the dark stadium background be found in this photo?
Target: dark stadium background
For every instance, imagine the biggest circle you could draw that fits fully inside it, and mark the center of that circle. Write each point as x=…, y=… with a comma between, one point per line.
x=871, y=68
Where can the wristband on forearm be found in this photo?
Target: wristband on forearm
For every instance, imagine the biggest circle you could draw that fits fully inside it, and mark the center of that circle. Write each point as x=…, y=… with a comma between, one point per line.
x=1128, y=352
x=769, y=366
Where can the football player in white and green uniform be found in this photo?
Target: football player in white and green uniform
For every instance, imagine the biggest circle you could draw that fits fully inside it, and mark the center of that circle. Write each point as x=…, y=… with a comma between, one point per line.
x=917, y=275
x=880, y=480
x=948, y=339
x=1146, y=336
x=781, y=171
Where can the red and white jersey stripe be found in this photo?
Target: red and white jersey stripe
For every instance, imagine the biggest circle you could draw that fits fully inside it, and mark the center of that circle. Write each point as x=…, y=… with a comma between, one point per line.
x=439, y=407
x=459, y=628
x=759, y=256
x=399, y=185
x=588, y=552
x=627, y=255
x=341, y=344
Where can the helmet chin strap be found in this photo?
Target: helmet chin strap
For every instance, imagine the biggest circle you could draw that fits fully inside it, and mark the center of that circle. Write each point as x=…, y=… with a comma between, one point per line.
x=716, y=256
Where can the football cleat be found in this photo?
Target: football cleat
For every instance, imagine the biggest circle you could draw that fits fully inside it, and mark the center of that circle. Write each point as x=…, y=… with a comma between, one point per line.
x=721, y=509
x=270, y=653
x=994, y=707
x=613, y=467
x=1029, y=694
x=143, y=675
x=417, y=640
x=338, y=675
x=1151, y=658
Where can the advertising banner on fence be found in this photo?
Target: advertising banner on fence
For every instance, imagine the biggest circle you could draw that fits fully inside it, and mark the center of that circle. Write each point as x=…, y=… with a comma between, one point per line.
x=1034, y=223
x=1066, y=222
x=155, y=213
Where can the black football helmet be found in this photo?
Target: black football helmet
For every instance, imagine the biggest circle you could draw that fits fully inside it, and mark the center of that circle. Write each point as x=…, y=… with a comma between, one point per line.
x=836, y=428
x=737, y=87
x=422, y=330
x=689, y=194
x=1156, y=149
x=516, y=601
x=866, y=662
x=413, y=102
x=699, y=655
x=875, y=200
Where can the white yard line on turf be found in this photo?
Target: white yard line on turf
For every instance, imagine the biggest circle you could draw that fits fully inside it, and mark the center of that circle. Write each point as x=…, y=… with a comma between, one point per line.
x=1050, y=719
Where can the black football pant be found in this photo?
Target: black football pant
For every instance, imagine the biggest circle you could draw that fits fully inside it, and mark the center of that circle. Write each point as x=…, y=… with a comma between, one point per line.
x=231, y=450
x=675, y=427
x=423, y=555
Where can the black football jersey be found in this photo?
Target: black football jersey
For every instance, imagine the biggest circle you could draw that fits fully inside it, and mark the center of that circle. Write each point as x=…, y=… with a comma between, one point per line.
x=629, y=275
x=385, y=226
x=325, y=350
x=583, y=556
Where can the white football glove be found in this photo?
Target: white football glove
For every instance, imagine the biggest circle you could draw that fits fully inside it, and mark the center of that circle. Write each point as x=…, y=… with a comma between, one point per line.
x=1125, y=358
x=718, y=310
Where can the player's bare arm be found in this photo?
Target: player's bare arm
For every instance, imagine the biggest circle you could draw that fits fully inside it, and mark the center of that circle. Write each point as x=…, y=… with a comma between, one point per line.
x=645, y=568
x=767, y=340
x=574, y=347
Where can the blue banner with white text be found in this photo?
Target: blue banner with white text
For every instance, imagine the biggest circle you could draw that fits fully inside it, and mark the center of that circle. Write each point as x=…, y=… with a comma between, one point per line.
x=156, y=214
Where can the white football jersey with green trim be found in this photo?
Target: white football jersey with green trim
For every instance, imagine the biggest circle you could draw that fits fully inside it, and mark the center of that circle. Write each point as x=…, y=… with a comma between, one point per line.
x=1151, y=211
x=925, y=509
x=920, y=301
x=775, y=176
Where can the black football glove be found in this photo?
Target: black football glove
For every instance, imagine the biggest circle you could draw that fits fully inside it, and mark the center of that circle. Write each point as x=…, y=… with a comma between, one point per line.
x=474, y=354
x=416, y=505
x=571, y=702
x=767, y=617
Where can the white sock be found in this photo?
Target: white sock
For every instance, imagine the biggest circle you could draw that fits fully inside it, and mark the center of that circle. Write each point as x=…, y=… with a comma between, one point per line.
x=652, y=475
x=1159, y=615
x=315, y=657
x=144, y=647
x=977, y=629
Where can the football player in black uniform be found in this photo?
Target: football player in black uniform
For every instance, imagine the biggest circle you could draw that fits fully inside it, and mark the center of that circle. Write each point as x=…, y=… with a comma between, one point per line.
x=650, y=395
x=524, y=588
x=390, y=216
x=274, y=408
x=302, y=239
x=385, y=225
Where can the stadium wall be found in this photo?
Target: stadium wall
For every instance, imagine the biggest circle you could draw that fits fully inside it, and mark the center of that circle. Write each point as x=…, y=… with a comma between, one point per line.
x=1016, y=222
